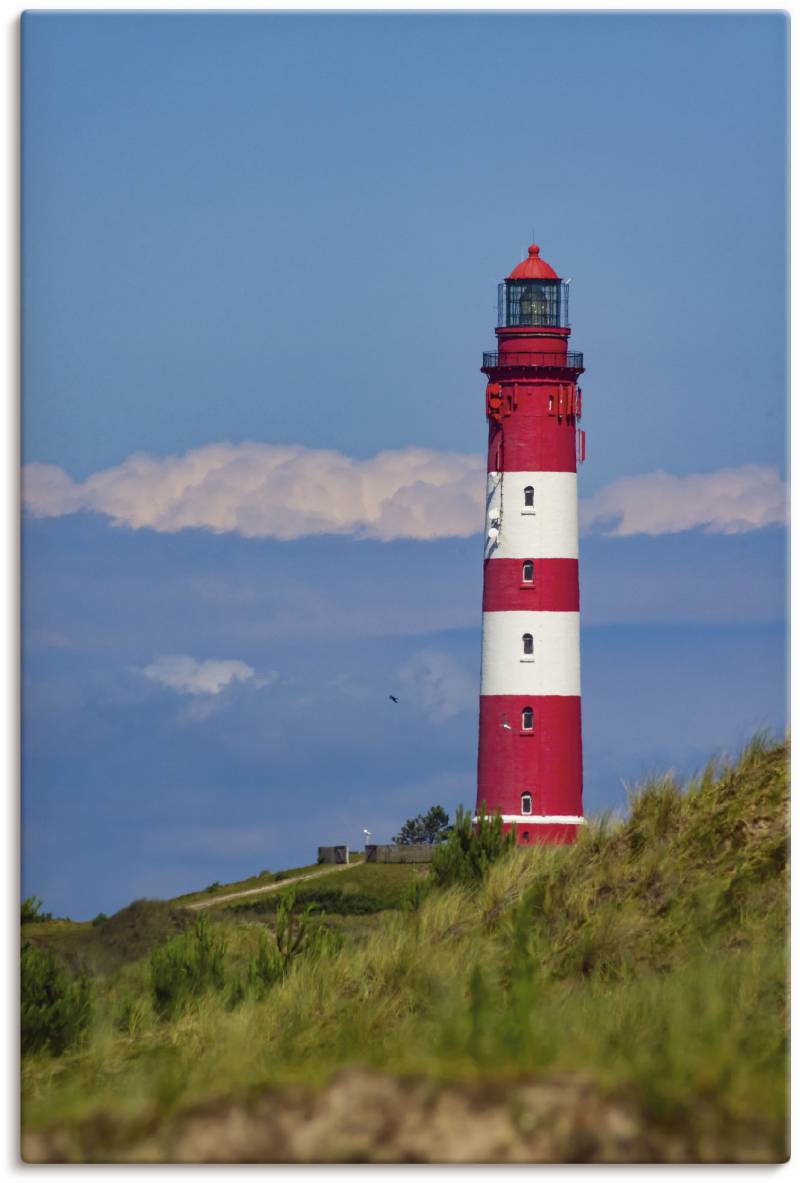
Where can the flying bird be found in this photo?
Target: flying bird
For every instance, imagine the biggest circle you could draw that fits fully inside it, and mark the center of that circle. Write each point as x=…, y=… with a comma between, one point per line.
x=393, y=698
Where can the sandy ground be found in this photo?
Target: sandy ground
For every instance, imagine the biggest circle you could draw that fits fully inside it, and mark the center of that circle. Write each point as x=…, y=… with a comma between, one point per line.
x=361, y=1117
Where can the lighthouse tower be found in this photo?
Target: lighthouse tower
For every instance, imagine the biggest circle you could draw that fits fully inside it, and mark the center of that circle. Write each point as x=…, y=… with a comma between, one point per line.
x=529, y=748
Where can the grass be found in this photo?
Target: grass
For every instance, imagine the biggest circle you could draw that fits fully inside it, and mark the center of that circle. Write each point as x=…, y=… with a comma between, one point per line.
x=262, y=879
x=97, y=949
x=650, y=957
x=364, y=889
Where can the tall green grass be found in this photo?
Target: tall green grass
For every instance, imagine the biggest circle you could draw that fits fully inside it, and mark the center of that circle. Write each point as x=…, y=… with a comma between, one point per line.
x=650, y=956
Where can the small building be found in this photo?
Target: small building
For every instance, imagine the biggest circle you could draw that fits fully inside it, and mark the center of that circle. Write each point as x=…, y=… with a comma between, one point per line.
x=333, y=854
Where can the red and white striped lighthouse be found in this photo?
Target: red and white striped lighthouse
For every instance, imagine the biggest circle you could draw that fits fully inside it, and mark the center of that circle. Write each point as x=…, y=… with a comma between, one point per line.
x=529, y=747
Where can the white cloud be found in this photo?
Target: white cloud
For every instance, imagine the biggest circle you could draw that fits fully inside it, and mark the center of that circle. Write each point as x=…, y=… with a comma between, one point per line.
x=288, y=491
x=728, y=501
x=436, y=685
x=275, y=491
x=189, y=676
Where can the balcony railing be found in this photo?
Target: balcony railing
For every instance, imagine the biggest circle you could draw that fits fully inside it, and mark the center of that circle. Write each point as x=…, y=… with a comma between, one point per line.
x=569, y=361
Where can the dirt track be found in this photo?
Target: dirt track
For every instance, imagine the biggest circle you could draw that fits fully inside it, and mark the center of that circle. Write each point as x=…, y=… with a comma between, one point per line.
x=238, y=895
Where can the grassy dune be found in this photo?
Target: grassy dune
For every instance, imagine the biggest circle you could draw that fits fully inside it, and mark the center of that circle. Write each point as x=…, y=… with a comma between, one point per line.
x=639, y=977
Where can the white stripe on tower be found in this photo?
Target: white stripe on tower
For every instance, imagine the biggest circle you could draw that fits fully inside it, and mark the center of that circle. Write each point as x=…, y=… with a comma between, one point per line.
x=548, y=530
x=552, y=668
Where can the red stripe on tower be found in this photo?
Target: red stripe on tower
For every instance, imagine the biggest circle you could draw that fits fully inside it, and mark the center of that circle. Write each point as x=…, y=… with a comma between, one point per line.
x=529, y=743
x=530, y=585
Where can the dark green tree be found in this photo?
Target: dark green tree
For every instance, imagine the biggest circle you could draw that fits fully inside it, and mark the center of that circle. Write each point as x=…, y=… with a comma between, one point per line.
x=56, y=1008
x=186, y=967
x=31, y=911
x=471, y=847
x=430, y=827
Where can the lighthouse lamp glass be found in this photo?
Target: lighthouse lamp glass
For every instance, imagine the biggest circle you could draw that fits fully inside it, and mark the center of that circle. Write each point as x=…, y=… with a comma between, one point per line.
x=541, y=303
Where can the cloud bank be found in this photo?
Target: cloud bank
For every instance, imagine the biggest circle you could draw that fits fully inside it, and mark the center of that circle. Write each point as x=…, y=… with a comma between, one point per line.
x=728, y=501
x=274, y=491
x=189, y=676
x=288, y=491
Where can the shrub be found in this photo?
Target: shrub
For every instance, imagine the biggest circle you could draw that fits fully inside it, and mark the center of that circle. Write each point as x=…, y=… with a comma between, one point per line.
x=345, y=903
x=293, y=936
x=215, y=886
x=324, y=942
x=186, y=967
x=56, y=1009
x=266, y=968
x=31, y=911
x=417, y=892
x=291, y=927
x=470, y=849
x=129, y=1017
x=236, y=993
x=340, y=903
x=99, y=919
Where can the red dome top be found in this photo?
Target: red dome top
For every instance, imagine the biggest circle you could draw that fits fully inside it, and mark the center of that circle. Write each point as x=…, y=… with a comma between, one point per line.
x=533, y=267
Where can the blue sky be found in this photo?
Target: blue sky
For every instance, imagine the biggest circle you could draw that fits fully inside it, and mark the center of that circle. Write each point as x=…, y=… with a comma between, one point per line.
x=269, y=245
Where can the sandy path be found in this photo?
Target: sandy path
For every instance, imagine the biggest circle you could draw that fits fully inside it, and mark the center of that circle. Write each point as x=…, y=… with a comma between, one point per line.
x=238, y=895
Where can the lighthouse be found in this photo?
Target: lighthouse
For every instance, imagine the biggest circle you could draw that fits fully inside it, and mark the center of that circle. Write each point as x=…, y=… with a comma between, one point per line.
x=529, y=742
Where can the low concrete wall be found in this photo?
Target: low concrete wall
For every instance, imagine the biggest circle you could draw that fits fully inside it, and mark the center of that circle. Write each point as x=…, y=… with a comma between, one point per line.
x=421, y=852
x=333, y=854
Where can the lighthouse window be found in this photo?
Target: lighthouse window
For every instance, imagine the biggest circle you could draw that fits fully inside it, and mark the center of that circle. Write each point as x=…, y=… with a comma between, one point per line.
x=527, y=645
x=528, y=497
x=527, y=719
x=527, y=803
x=527, y=571
x=542, y=302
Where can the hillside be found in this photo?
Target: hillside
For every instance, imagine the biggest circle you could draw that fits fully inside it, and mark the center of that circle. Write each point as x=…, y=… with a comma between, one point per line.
x=621, y=1000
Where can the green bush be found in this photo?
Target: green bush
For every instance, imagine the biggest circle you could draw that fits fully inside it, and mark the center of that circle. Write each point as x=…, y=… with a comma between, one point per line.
x=324, y=942
x=187, y=967
x=31, y=911
x=470, y=849
x=56, y=1009
x=237, y=992
x=99, y=919
x=292, y=927
x=340, y=903
x=129, y=1016
x=417, y=892
x=266, y=968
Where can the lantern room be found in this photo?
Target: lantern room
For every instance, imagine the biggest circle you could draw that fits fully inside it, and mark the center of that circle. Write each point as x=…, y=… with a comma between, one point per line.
x=533, y=295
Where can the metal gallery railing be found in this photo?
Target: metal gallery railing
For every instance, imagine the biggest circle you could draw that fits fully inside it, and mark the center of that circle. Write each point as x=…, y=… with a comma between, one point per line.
x=569, y=361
